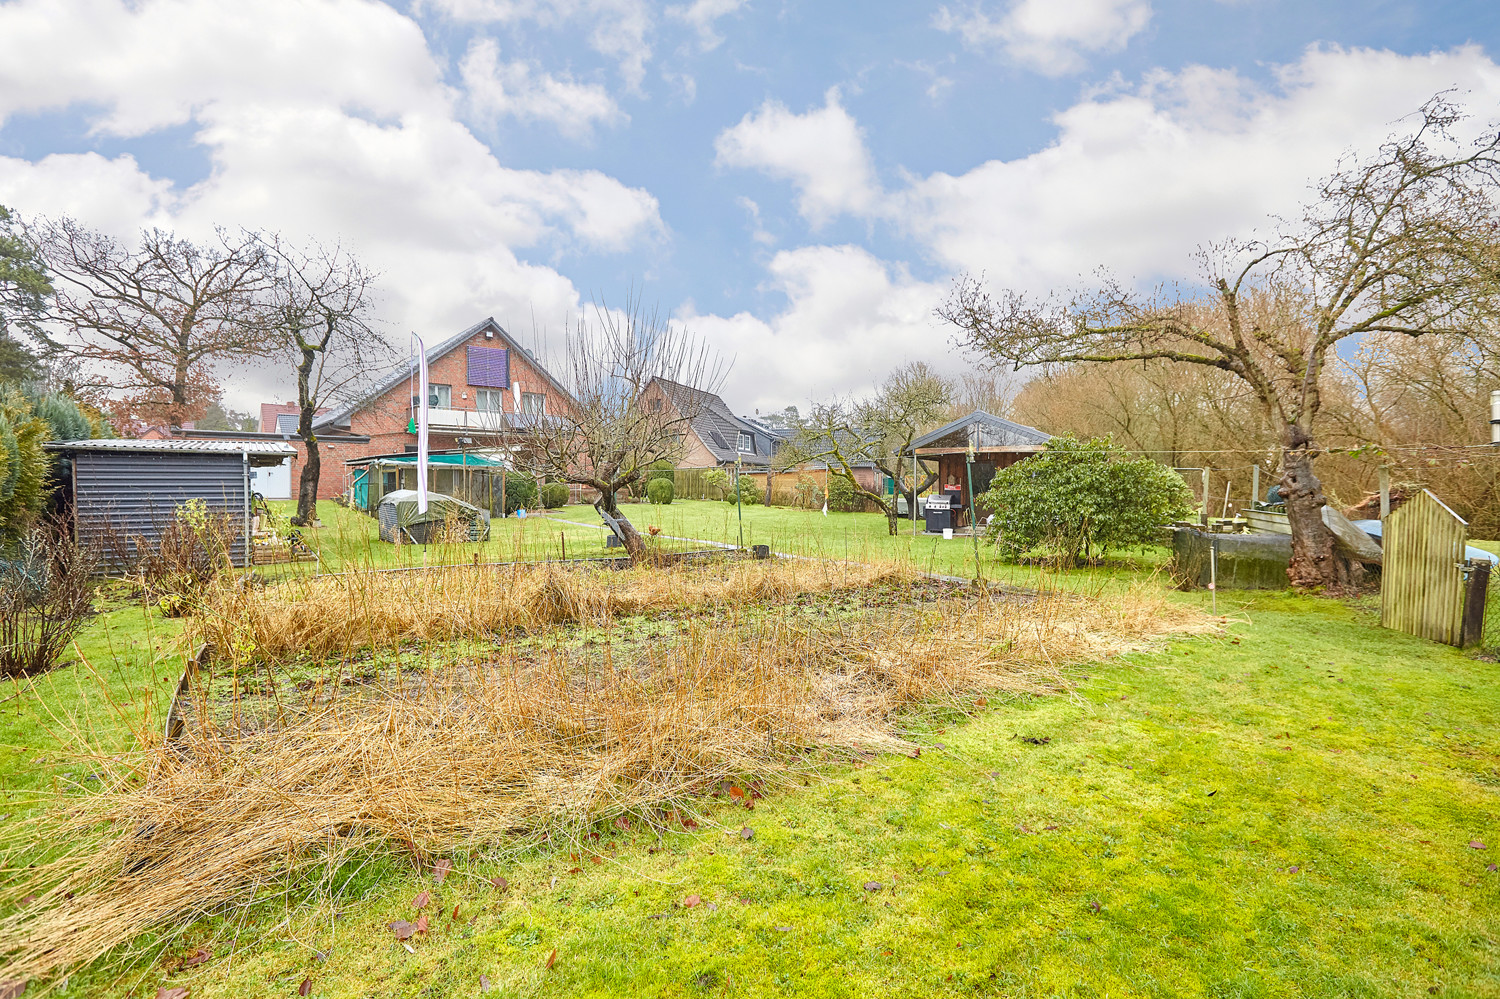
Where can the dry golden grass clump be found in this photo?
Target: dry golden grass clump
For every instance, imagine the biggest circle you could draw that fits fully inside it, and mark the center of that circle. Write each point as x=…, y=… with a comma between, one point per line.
x=527, y=741
x=326, y=616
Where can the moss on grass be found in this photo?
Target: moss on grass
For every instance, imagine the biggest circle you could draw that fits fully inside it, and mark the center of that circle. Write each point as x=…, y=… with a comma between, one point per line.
x=1282, y=812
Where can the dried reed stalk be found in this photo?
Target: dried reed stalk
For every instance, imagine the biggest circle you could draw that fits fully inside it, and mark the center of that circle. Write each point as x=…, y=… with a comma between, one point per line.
x=470, y=757
x=319, y=617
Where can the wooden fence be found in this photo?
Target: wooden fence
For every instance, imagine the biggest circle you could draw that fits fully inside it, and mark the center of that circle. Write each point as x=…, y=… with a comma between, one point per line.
x=1422, y=577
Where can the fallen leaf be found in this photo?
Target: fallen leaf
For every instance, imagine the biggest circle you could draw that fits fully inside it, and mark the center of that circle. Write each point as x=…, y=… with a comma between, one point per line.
x=745, y=901
x=691, y=901
x=177, y=992
x=689, y=824
x=197, y=957
x=622, y=823
x=421, y=900
x=982, y=703
x=1093, y=905
x=552, y=958
x=575, y=870
x=782, y=929
x=402, y=929
x=1293, y=870
x=747, y=833
x=1474, y=844
x=711, y=907
x=455, y=913
x=872, y=886
x=736, y=791
x=1489, y=867
x=596, y=859
x=27, y=900
x=500, y=883
x=422, y=924
x=484, y=983
x=11, y=989
x=305, y=989
x=440, y=870
x=659, y=915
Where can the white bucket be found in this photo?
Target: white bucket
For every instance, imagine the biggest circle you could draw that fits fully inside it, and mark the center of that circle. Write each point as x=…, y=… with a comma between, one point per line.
x=947, y=534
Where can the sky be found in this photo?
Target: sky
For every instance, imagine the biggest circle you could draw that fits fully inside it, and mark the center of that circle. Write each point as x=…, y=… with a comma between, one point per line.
x=797, y=182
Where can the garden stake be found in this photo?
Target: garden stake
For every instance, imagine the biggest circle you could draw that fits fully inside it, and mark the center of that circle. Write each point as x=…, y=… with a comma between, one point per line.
x=973, y=513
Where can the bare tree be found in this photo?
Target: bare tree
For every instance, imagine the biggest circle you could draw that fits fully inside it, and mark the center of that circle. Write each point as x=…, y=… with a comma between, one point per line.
x=318, y=314
x=1403, y=243
x=157, y=318
x=876, y=432
x=615, y=428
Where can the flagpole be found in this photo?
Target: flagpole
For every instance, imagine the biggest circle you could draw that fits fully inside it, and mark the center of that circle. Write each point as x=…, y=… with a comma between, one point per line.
x=422, y=424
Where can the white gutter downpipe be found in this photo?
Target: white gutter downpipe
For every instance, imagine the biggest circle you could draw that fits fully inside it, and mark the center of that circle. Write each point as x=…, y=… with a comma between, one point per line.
x=1495, y=417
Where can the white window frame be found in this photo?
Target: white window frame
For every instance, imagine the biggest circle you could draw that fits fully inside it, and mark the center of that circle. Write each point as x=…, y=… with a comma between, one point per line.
x=444, y=395
x=494, y=396
x=746, y=438
x=534, y=403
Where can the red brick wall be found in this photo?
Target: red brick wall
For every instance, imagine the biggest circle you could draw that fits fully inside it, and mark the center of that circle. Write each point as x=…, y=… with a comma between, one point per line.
x=385, y=419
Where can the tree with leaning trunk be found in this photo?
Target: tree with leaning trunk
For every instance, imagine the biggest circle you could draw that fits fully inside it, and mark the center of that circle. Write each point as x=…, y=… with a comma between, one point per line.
x=613, y=431
x=875, y=432
x=156, y=319
x=318, y=314
x=1402, y=242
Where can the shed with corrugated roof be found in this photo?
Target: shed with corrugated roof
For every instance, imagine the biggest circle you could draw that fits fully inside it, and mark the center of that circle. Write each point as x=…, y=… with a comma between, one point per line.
x=121, y=494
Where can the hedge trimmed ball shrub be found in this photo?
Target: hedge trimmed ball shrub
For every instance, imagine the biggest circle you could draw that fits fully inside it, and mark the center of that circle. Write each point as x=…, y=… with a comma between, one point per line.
x=660, y=491
x=554, y=495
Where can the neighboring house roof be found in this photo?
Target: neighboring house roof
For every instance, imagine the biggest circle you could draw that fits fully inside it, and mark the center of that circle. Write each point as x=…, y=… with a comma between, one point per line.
x=718, y=428
x=286, y=423
x=985, y=432
x=340, y=417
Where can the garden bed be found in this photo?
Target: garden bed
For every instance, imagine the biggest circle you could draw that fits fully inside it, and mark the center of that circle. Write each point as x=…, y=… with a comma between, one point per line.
x=468, y=709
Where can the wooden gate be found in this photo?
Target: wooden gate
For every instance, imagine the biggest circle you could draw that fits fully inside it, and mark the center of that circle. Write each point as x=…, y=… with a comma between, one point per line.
x=1422, y=576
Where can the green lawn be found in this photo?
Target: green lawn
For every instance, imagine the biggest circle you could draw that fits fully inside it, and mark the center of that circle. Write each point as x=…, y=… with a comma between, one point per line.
x=1285, y=811
x=349, y=538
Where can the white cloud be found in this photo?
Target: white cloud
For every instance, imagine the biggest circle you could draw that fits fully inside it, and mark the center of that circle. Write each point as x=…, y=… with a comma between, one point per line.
x=1135, y=179
x=849, y=319
x=702, y=15
x=518, y=89
x=822, y=152
x=1050, y=36
x=156, y=63
x=619, y=29
x=394, y=176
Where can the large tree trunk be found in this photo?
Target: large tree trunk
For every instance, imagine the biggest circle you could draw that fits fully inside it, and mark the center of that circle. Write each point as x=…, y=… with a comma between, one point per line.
x=307, y=485
x=1314, y=563
x=307, y=481
x=635, y=545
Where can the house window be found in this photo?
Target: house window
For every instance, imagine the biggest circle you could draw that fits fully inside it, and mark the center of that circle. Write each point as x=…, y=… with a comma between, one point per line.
x=440, y=396
x=490, y=400
x=533, y=403
x=747, y=442
x=656, y=405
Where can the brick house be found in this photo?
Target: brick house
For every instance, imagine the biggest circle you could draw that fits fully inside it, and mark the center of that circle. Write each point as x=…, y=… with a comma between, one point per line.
x=483, y=380
x=716, y=438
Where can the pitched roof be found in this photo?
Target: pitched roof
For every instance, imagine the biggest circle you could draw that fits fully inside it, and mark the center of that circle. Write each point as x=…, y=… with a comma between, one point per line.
x=340, y=416
x=987, y=432
x=717, y=427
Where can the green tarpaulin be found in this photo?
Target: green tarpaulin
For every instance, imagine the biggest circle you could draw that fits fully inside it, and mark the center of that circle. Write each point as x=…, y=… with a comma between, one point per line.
x=400, y=519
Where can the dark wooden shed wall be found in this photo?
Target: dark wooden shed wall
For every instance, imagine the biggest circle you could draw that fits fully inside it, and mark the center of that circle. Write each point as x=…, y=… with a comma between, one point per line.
x=128, y=494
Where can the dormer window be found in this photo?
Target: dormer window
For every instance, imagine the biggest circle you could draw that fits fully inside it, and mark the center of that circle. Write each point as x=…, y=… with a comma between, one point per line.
x=747, y=443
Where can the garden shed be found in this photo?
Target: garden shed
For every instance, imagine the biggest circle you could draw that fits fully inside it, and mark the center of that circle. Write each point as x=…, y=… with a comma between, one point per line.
x=994, y=443
x=120, y=493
